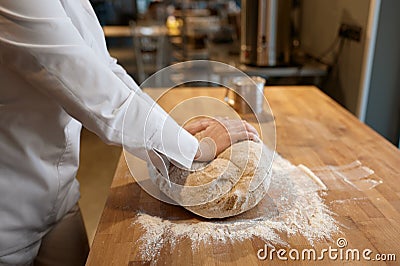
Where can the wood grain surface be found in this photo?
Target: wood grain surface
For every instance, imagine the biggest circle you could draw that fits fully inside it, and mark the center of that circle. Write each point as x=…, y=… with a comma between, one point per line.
x=312, y=130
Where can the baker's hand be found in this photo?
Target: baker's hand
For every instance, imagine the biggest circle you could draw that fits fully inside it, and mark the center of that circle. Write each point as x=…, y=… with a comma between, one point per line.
x=215, y=135
x=193, y=127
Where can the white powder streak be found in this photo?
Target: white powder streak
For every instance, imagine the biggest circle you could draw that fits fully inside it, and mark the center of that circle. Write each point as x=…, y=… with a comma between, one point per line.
x=313, y=176
x=293, y=206
x=353, y=175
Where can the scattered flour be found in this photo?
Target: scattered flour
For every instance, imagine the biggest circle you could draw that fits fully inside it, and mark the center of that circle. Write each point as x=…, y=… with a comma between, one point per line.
x=352, y=175
x=292, y=206
x=348, y=201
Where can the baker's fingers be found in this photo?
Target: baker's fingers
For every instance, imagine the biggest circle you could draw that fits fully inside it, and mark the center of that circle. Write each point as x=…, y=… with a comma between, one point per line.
x=233, y=123
x=243, y=135
x=254, y=137
x=240, y=125
x=250, y=128
x=197, y=126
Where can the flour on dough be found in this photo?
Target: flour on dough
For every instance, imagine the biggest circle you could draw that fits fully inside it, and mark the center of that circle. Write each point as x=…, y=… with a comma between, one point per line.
x=231, y=184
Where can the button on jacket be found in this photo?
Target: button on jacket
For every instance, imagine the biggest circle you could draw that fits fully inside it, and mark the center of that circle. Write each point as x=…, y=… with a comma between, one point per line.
x=56, y=73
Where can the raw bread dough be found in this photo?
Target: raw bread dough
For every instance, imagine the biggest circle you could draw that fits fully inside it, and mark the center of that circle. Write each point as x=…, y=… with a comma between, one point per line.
x=232, y=183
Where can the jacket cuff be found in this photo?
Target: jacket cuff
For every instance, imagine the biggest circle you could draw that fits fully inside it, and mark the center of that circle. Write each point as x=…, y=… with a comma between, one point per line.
x=175, y=142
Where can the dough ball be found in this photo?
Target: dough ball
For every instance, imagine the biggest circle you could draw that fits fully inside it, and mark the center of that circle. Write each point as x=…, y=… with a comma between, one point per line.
x=231, y=184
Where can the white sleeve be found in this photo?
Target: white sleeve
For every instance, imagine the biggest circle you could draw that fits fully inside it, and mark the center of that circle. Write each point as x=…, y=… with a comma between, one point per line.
x=40, y=43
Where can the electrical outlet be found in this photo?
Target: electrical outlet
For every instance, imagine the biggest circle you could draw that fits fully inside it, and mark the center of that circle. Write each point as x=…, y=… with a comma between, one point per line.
x=350, y=32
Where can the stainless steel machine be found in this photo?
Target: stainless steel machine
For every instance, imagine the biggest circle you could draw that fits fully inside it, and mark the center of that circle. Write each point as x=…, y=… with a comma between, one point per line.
x=266, y=32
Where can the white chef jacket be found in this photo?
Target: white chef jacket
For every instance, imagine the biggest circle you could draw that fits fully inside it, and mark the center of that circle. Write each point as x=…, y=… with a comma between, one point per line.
x=56, y=73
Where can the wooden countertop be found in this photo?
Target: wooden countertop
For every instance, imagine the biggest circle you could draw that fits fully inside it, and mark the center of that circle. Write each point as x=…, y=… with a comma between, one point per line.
x=117, y=31
x=327, y=135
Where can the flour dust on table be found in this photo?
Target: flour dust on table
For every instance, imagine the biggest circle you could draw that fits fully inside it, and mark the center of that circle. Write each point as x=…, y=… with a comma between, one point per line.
x=292, y=206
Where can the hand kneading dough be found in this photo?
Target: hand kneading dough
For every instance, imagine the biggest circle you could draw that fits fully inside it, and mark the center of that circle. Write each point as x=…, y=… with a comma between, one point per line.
x=232, y=183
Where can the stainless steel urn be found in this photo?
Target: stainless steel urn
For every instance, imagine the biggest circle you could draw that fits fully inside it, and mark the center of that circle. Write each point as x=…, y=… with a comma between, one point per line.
x=265, y=32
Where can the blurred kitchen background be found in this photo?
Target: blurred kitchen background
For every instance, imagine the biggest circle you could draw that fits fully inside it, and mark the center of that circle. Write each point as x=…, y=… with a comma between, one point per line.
x=347, y=48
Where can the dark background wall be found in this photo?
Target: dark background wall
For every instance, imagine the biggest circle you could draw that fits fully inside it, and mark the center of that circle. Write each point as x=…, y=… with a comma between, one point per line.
x=383, y=106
